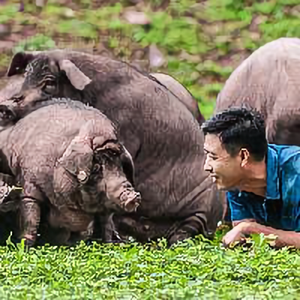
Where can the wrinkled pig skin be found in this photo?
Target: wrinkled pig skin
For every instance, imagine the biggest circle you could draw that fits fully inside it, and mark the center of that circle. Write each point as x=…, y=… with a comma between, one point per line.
x=67, y=158
x=9, y=209
x=181, y=92
x=158, y=130
x=10, y=201
x=12, y=88
x=269, y=80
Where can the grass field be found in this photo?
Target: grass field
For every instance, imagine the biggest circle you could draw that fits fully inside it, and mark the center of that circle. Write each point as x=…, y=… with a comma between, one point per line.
x=201, y=42
x=194, y=269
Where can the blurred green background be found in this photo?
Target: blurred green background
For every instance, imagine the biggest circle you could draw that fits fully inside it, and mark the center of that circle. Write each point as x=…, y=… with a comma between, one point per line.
x=198, y=42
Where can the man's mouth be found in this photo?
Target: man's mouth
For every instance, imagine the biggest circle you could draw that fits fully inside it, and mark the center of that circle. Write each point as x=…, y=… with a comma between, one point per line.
x=214, y=177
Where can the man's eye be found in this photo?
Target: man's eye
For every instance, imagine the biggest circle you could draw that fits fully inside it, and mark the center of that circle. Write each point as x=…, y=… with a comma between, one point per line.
x=213, y=157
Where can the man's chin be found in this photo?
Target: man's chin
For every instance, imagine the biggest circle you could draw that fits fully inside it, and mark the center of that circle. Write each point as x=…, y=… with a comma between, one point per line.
x=223, y=187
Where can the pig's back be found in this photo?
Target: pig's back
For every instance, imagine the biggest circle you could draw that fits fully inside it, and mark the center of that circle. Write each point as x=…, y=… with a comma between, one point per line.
x=42, y=136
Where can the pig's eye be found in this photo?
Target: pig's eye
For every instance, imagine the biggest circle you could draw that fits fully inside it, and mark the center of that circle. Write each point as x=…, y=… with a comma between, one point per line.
x=113, y=152
x=49, y=86
x=18, y=98
x=96, y=168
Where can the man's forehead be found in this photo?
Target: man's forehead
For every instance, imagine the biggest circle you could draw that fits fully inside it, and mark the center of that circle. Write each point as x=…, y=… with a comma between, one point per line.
x=212, y=143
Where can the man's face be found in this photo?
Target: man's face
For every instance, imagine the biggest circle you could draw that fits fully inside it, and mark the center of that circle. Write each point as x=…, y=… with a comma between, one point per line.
x=225, y=170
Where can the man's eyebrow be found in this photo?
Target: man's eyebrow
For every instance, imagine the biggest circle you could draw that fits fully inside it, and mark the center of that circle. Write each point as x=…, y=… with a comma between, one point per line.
x=205, y=150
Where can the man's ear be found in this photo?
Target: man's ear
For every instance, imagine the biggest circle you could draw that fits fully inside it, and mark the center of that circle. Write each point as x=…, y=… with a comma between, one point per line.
x=245, y=155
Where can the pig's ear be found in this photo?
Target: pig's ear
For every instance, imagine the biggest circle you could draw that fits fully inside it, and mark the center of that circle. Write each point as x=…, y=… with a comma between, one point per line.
x=78, y=159
x=76, y=162
x=19, y=62
x=128, y=165
x=77, y=78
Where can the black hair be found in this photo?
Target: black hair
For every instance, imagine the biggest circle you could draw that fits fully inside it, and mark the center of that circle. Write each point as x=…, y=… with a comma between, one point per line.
x=239, y=127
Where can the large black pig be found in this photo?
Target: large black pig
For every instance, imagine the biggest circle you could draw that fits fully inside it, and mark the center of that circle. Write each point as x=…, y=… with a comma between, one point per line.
x=269, y=80
x=181, y=92
x=162, y=136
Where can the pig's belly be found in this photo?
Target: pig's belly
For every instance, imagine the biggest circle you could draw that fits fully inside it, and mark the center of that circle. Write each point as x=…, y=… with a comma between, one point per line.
x=74, y=220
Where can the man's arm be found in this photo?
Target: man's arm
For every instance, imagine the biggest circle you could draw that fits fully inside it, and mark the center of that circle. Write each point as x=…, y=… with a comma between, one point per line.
x=235, y=223
x=284, y=238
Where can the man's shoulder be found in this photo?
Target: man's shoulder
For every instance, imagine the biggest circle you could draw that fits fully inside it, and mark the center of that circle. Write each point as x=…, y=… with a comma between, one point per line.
x=285, y=150
x=288, y=156
x=235, y=194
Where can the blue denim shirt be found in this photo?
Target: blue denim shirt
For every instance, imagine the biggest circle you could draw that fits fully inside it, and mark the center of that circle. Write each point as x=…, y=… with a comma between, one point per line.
x=281, y=207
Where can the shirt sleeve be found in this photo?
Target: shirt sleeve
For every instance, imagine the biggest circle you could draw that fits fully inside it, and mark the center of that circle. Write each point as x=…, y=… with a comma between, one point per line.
x=291, y=196
x=240, y=208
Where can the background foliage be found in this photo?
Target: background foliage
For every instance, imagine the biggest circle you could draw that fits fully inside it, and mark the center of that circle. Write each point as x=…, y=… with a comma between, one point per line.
x=201, y=42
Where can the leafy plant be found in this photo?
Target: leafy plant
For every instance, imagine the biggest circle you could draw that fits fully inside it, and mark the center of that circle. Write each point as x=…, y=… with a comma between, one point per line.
x=7, y=13
x=37, y=42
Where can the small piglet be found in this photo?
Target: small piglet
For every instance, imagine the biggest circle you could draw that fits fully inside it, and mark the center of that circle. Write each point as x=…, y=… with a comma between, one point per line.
x=67, y=157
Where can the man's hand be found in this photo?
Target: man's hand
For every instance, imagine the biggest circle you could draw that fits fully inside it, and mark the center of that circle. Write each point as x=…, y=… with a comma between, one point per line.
x=244, y=228
x=237, y=234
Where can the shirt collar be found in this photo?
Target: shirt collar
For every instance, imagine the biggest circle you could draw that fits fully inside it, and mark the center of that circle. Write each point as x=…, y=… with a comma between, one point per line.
x=273, y=190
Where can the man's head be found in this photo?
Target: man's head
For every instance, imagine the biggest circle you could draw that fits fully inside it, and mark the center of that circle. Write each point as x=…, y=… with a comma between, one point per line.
x=235, y=141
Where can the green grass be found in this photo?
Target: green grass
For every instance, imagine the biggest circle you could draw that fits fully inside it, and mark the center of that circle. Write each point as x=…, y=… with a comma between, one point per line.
x=192, y=269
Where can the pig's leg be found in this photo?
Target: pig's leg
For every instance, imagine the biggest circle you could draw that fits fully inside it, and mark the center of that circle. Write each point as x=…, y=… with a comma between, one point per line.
x=109, y=230
x=76, y=222
x=56, y=236
x=30, y=213
x=189, y=228
x=142, y=229
x=84, y=235
x=105, y=228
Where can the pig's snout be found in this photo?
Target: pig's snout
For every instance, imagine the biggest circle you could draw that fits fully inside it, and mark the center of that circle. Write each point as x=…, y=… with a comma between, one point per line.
x=121, y=192
x=130, y=199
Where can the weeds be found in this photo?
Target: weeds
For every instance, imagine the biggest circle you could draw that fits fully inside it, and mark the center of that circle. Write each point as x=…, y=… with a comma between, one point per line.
x=189, y=270
x=206, y=32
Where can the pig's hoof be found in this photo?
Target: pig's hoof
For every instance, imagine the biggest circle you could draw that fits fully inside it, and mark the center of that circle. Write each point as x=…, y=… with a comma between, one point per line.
x=28, y=244
x=29, y=240
x=82, y=176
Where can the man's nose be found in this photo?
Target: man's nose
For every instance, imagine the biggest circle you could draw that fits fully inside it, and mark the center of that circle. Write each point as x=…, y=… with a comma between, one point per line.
x=207, y=166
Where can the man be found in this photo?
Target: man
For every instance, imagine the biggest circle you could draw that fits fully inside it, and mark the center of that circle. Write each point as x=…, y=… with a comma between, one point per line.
x=262, y=180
